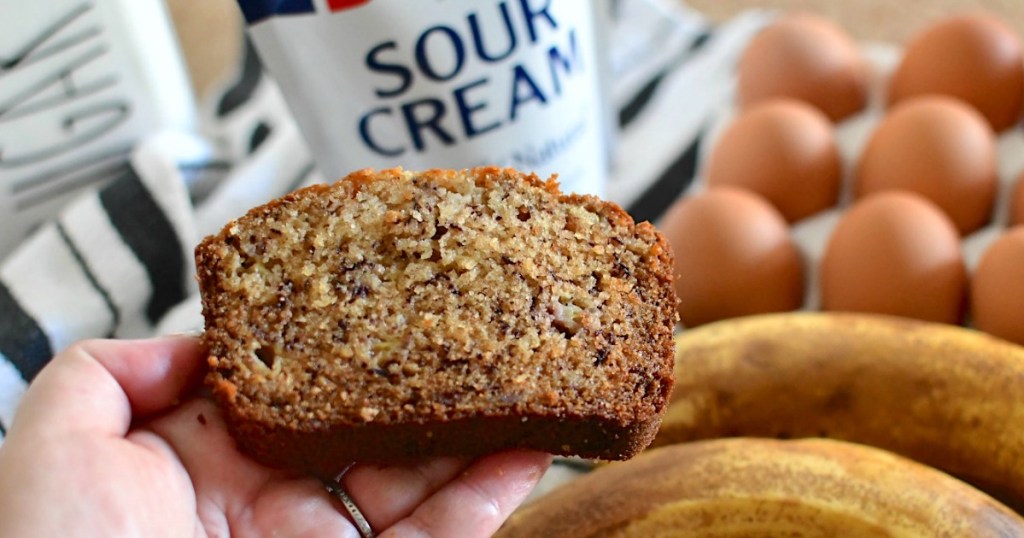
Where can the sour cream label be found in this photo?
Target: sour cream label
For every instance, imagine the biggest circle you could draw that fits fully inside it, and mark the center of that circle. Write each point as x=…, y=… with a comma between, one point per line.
x=441, y=83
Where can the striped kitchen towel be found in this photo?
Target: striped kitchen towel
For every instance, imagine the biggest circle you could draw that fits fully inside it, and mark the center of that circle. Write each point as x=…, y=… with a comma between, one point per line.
x=117, y=261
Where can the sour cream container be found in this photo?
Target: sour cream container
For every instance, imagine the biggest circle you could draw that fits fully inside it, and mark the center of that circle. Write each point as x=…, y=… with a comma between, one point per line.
x=441, y=83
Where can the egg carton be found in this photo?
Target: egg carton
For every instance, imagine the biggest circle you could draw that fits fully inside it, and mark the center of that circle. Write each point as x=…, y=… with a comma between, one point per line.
x=812, y=234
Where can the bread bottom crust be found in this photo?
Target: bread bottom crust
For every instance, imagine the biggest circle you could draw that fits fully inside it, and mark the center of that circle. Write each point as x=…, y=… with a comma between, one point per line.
x=325, y=452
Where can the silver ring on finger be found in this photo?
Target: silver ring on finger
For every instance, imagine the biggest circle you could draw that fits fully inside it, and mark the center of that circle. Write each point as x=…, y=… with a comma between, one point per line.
x=337, y=490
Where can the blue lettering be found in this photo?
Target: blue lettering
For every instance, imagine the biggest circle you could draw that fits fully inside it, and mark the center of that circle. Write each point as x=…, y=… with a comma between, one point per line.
x=522, y=76
x=440, y=54
x=478, y=39
x=466, y=110
x=417, y=125
x=556, y=59
x=364, y=132
x=531, y=14
x=423, y=61
x=376, y=65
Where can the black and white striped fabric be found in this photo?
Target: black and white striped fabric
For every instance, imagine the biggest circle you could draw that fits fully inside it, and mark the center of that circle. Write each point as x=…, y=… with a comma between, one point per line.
x=117, y=261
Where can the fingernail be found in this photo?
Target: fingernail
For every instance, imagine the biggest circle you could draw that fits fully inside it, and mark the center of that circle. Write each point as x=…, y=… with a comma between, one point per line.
x=194, y=333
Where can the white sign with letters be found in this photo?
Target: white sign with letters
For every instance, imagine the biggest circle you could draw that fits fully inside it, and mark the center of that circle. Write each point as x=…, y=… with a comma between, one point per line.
x=80, y=82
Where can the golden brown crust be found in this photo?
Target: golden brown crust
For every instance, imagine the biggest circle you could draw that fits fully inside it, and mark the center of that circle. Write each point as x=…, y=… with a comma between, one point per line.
x=391, y=305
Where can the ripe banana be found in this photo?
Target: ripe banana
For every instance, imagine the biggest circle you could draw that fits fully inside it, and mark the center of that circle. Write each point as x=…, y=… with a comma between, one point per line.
x=764, y=487
x=949, y=397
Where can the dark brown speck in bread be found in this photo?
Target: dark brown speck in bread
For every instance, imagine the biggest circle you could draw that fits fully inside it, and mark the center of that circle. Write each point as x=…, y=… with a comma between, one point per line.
x=396, y=314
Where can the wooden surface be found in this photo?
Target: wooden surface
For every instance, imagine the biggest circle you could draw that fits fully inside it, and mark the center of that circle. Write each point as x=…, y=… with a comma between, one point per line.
x=210, y=30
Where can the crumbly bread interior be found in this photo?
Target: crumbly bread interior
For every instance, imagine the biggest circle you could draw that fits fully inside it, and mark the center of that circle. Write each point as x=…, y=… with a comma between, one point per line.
x=394, y=297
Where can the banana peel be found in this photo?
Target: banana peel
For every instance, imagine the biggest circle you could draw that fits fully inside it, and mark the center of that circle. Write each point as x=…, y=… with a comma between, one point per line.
x=949, y=397
x=764, y=487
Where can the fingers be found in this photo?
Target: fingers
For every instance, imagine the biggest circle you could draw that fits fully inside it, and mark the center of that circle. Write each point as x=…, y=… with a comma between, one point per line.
x=196, y=434
x=153, y=374
x=479, y=500
x=235, y=495
x=100, y=385
x=386, y=494
x=444, y=496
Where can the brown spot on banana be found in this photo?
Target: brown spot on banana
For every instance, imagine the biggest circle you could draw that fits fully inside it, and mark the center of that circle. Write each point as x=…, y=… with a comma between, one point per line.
x=949, y=397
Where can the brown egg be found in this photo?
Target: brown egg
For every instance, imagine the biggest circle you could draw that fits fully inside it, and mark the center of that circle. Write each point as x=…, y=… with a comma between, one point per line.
x=805, y=57
x=784, y=150
x=734, y=257
x=973, y=57
x=1017, y=202
x=940, y=148
x=895, y=253
x=997, y=288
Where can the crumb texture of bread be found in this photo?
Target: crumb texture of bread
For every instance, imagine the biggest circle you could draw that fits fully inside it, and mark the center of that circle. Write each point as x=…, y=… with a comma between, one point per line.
x=399, y=314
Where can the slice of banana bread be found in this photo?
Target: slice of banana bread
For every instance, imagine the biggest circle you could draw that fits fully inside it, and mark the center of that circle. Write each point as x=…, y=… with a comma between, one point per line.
x=397, y=314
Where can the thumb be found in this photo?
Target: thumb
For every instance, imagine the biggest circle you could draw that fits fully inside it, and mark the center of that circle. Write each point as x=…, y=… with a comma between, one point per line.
x=101, y=385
